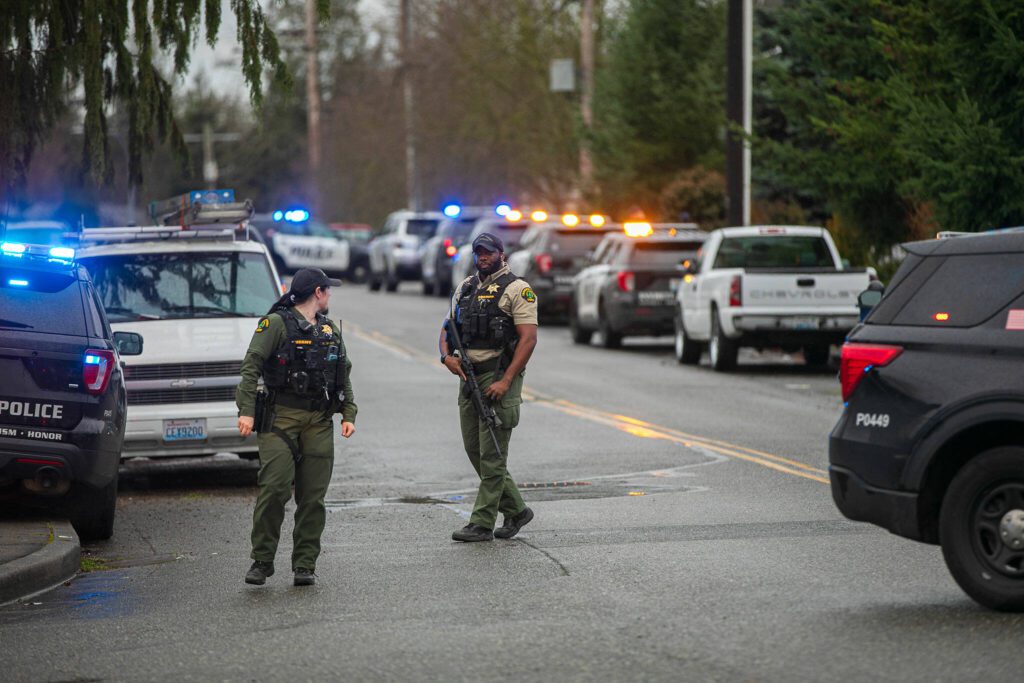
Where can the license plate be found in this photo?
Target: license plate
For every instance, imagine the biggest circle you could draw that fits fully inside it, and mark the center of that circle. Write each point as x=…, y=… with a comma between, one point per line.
x=185, y=430
x=806, y=323
x=563, y=281
x=655, y=297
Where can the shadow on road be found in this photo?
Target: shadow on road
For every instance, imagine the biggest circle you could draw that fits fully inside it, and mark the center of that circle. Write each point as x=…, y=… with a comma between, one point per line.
x=187, y=474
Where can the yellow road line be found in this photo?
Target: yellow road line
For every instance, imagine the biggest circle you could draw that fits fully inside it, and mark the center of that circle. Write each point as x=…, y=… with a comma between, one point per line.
x=630, y=425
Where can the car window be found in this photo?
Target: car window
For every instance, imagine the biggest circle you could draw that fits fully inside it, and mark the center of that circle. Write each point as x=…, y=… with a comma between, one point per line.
x=964, y=291
x=662, y=253
x=774, y=251
x=423, y=228
x=99, y=320
x=183, y=285
x=573, y=242
x=40, y=302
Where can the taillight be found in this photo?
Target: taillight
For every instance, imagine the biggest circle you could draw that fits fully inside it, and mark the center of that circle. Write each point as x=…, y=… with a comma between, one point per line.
x=543, y=262
x=858, y=359
x=451, y=250
x=627, y=281
x=736, y=291
x=447, y=243
x=97, y=367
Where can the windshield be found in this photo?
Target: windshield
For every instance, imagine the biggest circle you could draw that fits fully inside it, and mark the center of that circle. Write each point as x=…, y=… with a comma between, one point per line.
x=774, y=251
x=421, y=227
x=663, y=253
x=183, y=285
x=575, y=242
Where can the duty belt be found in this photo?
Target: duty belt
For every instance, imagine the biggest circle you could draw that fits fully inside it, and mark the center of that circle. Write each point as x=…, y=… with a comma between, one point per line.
x=301, y=402
x=487, y=365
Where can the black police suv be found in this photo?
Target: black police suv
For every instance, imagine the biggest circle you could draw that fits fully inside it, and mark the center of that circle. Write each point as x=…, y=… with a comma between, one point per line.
x=550, y=256
x=62, y=397
x=930, y=444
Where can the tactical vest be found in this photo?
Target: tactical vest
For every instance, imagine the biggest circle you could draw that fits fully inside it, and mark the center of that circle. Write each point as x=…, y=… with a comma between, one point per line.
x=309, y=363
x=482, y=325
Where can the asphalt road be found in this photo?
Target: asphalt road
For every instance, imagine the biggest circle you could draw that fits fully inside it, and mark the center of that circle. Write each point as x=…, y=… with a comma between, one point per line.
x=683, y=532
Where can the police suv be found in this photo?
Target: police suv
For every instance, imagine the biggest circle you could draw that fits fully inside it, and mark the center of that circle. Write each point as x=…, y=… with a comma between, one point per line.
x=930, y=444
x=196, y=286
x=62, y=402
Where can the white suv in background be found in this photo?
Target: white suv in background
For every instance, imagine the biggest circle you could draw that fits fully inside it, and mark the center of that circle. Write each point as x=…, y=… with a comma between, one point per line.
x=197, y=296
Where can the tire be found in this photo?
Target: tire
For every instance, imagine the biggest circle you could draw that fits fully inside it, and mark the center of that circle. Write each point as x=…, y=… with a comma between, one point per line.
x=817, y=355
x=359, y=274
x=428, y=288
x=688, y=351
x=579, y=334
x=723, y=351
x=92, y=511
x=390, y=281
x=982, y=496
x=610, y=339
x=373, y=282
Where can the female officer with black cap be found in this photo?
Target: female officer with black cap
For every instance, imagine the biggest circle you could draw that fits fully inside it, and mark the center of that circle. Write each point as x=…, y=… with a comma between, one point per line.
x=300, y=354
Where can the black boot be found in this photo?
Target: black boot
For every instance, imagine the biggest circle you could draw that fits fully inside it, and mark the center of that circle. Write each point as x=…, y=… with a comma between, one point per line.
x=304, y=577
x=512, y=525
x=472, y=533
x=259, y=572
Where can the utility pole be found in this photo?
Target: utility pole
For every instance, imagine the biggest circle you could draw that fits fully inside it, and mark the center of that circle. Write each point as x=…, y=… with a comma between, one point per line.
x=408, y=101
x=739, y=109
x=586, y=90
x=312, y=100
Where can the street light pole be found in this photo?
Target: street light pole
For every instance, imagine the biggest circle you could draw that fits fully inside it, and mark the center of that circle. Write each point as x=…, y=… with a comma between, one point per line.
x=586, y=90
x=312, y=99
x=408, y=101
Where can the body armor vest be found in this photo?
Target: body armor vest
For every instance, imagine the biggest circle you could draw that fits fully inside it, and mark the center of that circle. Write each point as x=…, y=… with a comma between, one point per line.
x=310, y=363
x=482, y=325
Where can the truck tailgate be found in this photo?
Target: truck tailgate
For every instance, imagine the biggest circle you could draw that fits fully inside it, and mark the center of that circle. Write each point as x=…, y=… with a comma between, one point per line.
x=803, y=290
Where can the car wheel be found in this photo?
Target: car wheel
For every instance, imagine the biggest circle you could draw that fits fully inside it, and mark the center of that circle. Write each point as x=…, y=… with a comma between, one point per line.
x=580, y=334
x=359, y=274
x=428, y=288
x=723, y=351
x=442, y=287
x=390, y=281
x=610, y=339
x=92, y=511
x=981, y=528
x=373, y=282
x=817, y=355
x=688, y=351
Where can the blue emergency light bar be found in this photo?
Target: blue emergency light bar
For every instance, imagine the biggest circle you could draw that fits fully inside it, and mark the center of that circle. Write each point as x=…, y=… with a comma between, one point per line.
x=291, y=215
x=503, y=209
x=452, y=210
x=16, y=249
x=211, y=196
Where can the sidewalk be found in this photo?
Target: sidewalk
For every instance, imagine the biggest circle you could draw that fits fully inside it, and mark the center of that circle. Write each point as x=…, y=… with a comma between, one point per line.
x=35, y=554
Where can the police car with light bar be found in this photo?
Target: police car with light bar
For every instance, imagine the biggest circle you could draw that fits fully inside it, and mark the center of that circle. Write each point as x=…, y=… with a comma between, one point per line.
x=62, y=403
x=296, y=240
x=195, y=284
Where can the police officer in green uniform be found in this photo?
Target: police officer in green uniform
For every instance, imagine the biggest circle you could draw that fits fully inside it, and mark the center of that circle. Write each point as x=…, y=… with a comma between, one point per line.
x=496, y=316
x=301, y=357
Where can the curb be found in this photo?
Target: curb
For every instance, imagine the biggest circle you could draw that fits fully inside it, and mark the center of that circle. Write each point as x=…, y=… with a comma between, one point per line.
x=51, y=565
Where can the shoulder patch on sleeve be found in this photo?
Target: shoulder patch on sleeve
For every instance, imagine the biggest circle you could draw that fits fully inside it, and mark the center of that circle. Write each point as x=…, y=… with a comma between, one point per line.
x=262, y=325
x=528, y=295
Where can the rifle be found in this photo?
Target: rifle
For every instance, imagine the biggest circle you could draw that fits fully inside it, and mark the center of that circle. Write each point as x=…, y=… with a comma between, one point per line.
x=483, y=407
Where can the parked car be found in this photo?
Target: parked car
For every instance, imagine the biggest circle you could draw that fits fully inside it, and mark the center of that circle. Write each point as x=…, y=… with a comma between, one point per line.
x=62, y=404
x=197, y=295
x=440, y=250
x=549, y=257
x=766, y=286
x=395, y=254
x=631, y=290
x=508, y=231
x=929, y=444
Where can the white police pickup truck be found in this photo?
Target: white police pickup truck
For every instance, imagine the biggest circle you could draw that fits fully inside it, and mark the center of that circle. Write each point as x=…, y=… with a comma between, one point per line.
x=766, y=287
x=196, y=287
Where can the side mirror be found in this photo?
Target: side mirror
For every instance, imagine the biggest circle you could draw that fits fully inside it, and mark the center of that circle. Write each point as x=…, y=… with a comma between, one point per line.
x=870, y=298
x=846, y=263
x=128, y=343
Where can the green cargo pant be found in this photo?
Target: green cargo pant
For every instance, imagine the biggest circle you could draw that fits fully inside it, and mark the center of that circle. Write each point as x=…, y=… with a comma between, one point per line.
x=497, y=491
x=313, y=432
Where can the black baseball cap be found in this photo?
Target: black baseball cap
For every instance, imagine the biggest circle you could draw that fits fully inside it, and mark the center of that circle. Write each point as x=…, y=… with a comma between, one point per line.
x=307, y=280
x=489, y=242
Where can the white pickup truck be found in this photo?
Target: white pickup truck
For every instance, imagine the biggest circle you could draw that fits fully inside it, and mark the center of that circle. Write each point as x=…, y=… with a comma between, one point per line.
x=766, y=287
